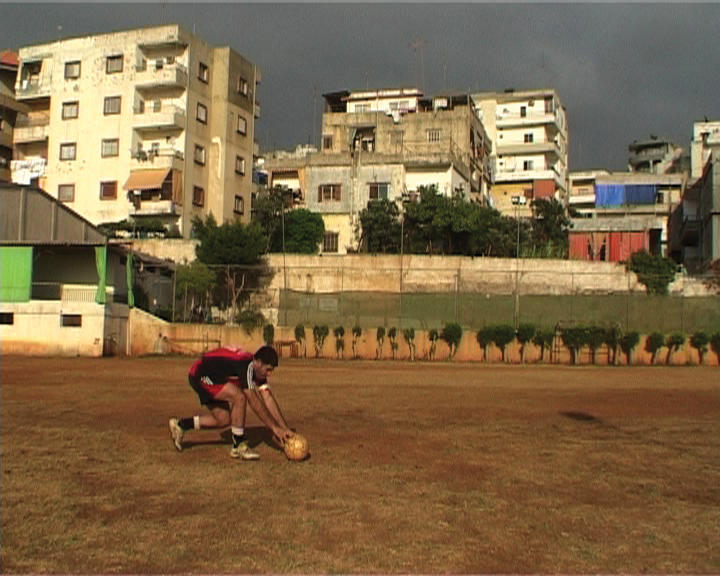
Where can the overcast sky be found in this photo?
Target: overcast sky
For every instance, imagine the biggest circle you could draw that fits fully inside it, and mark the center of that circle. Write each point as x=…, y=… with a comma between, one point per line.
x=622, y=71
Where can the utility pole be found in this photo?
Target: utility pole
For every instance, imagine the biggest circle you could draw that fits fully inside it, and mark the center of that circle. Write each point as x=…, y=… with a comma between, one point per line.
x=416, y=45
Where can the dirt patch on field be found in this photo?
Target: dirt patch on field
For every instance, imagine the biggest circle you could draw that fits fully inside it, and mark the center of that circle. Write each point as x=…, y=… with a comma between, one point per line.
x=414, y=468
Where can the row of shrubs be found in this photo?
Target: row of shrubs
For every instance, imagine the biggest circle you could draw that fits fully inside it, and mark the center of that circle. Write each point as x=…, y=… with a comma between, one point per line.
x=575, y=339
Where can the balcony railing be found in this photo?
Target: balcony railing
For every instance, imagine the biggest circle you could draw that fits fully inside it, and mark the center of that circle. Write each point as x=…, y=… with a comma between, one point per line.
x=33, y=87
x=155, y=208
x=157, y=117
x=154, y=76
x=31, y=129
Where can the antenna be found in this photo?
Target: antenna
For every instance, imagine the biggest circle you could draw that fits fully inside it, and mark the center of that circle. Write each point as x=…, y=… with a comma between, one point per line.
x=416, y=45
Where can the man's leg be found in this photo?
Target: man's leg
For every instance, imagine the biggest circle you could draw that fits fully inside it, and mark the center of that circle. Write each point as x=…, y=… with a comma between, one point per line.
x=238, y=406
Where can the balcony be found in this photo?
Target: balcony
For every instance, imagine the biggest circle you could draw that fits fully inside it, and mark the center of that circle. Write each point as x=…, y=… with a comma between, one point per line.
x=157, y=158
x=159, y=116
x=33, y=129
x=154, y=208
x=509, y=120
x=156, y=75
x=33, y=87
x=6, y=140
x=529, y=148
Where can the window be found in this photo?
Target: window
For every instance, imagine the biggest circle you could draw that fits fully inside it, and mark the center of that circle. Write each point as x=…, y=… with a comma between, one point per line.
x=433, y=135
x=528, y=138
x=68, y=151
x=242, y=86
x=330, y=242
x=72, y=320
x=239, y=205
x=72, y=70
x=66, y=192
x=660, y=198
x=199, y=155
x=241, y=125
x=549, y=108
x=112, y=105
x=110, y=147
x=114, y=64
x=327, y=142
x=108, y=190
x=523, y=111
x=329, y=193
x=203, y=73
x=70, y=110
x=201, y=115
x=360, y=108
x=379, y=190
x=527, y=164
x=239, y=164
x=198, y=196
x=7, y=317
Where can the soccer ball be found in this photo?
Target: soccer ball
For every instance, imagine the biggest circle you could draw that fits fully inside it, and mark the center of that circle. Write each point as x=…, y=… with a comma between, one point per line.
x=296, y=447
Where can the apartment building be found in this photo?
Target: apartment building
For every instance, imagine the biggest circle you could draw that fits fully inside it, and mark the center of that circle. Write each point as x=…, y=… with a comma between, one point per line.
x=706, y=136
x=384, y=145
x=656, y=156
x=618, y=213
x=10, y=108
x=529, y=135
x=151, y=123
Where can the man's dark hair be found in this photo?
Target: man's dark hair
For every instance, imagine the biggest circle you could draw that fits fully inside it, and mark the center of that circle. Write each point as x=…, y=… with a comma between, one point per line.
x=267, y=355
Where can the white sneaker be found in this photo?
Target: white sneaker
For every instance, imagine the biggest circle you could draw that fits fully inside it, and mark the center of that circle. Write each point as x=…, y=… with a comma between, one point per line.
x=243, y=451
x=176, y=433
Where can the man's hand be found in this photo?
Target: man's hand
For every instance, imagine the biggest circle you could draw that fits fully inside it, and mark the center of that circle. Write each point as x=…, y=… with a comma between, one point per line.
x=280, y=435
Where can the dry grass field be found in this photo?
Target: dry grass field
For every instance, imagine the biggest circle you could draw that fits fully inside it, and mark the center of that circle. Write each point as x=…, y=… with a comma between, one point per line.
x=414, y=468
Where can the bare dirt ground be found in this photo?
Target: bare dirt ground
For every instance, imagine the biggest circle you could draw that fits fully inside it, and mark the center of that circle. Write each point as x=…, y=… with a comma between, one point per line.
x=414, y=468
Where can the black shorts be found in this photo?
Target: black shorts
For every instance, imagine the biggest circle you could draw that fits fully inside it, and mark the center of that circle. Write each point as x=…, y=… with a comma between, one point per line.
x=205, y=390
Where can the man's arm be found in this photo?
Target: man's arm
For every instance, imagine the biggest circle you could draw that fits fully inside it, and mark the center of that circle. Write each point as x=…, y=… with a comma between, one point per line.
x=272, y=406
x=279, y=430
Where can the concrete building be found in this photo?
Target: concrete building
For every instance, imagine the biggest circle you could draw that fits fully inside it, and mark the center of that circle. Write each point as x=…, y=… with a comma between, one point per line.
x=706, y=135
x=656, y=156
x=529, y=135
x=10, y=108
x=385, y=144
x=629, y=212
x=151, y=123
x=697, y=219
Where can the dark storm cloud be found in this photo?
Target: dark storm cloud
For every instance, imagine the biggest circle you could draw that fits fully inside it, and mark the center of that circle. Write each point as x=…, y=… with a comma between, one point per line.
x=623, y=71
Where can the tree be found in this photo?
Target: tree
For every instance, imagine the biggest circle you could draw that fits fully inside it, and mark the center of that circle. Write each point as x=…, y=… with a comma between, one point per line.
x=550, y=227
x=653, y=343
x=195, y=280
x=575, y=339
x=392, y=336
x=231, y=245
x=452, y=334
x=485, y=339
x=269, y=334
x=715, y=345
x=304, y=232
x=339, y=333
x=267, y=213
x=612, y=341
x=655, y=272
x=380, y=339
x=628, y=342
x=356, y=333
x=300, y=338
x=699, y=340
x=543, y=339
x=502, y=335
x=595, y=339
x=320, y=333
x=525, y=334
x=433, y=336
x=380, y=227
x=409, y=337
x=675, y=341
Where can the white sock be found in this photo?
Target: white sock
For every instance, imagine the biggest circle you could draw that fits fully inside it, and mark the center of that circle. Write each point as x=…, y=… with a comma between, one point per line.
x=237, y=431
x=196, y=422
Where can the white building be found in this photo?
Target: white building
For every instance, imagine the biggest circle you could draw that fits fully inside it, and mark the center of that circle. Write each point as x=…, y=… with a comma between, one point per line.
x=150, y=123
x=529, y=135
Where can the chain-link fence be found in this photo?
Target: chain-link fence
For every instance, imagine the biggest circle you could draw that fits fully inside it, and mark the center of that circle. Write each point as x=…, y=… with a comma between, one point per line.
x=430, y=297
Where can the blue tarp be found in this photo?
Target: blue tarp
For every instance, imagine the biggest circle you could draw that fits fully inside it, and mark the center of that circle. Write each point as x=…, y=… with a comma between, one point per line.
x=624, y=194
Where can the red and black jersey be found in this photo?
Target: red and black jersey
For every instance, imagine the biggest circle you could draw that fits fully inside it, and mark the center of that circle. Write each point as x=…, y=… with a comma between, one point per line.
x=222, y=365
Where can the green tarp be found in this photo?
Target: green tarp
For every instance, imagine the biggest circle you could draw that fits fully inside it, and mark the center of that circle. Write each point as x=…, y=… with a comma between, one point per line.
x=16, y=273
x=101, y=264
